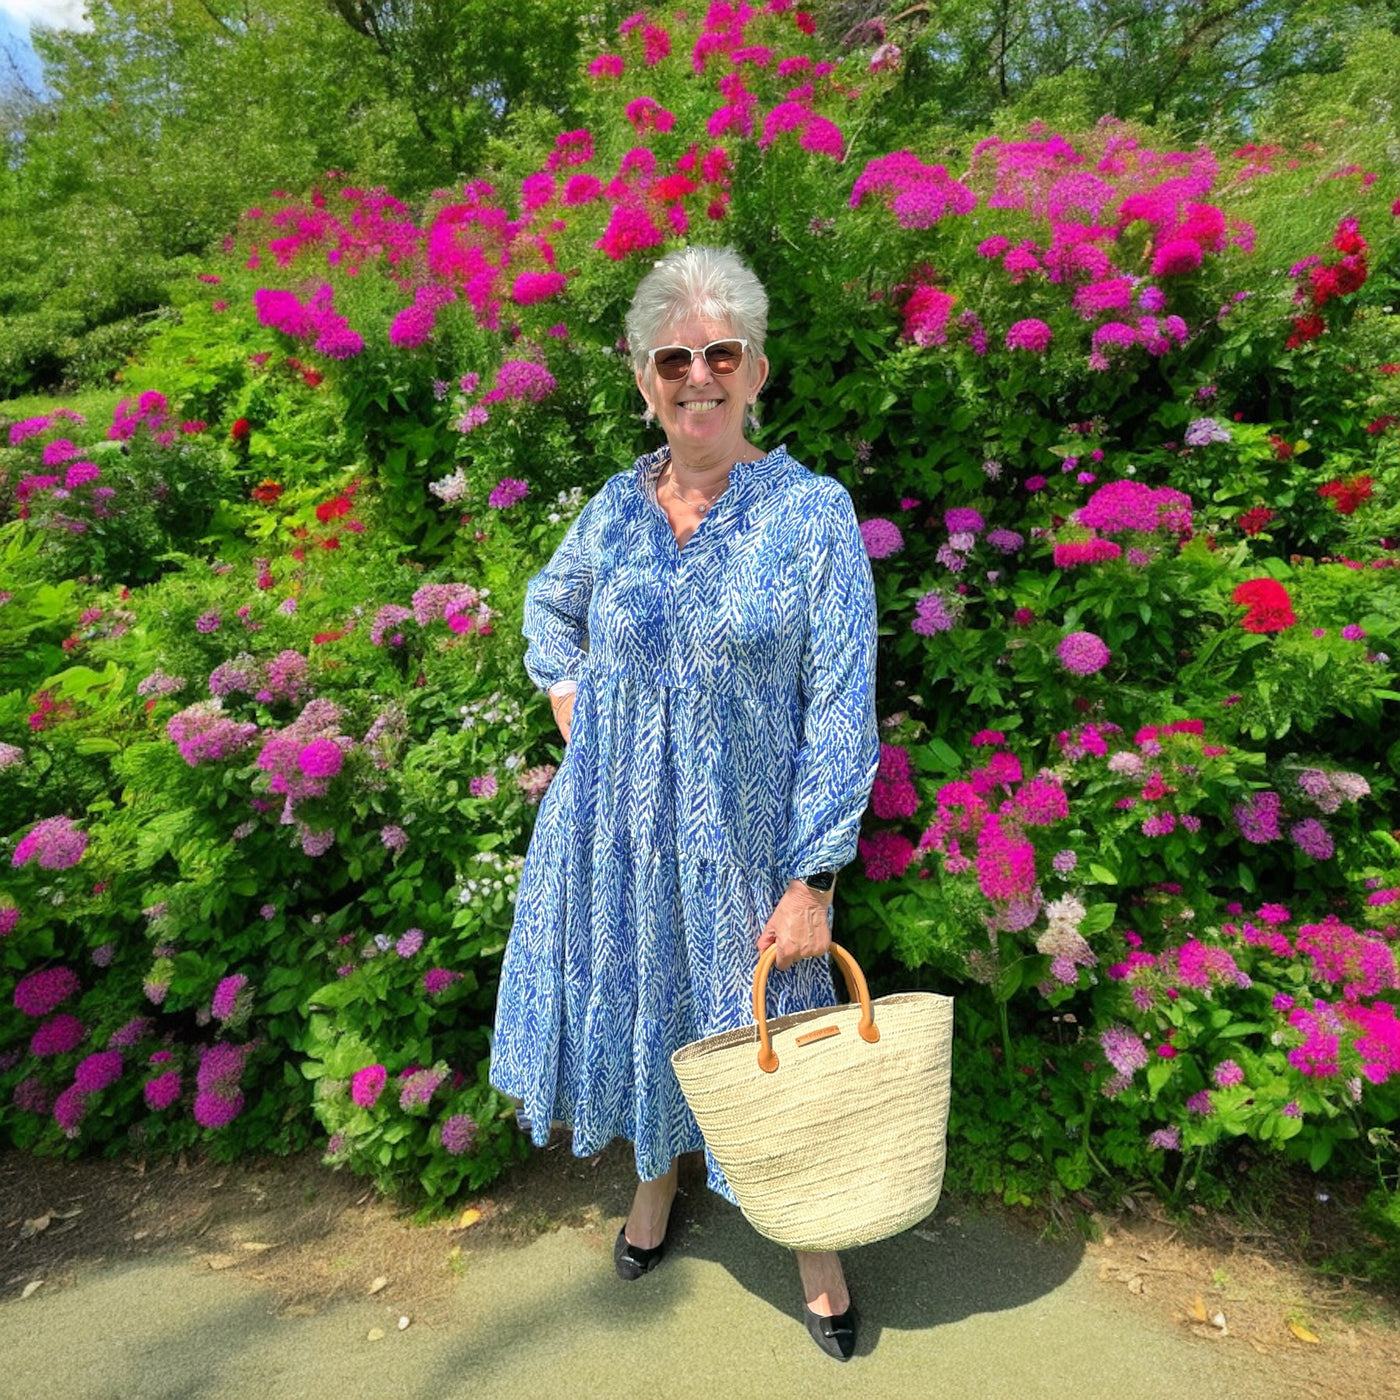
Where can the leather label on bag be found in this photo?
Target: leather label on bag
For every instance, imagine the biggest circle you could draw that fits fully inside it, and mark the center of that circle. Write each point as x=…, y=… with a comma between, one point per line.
x=818, y=1035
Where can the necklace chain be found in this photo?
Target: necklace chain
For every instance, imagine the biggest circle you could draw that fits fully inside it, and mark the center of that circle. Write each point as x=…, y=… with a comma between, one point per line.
x=708, y=500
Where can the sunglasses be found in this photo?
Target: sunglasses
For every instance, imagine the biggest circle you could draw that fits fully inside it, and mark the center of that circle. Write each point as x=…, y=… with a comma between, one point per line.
x=722, y=356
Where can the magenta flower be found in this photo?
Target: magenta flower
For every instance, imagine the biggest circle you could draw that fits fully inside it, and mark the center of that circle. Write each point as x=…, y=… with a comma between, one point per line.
x=57, y=1036
x=56, y=843
x=1227, y=1074
x=44, y=991
x=438, y=979
x=217, y=1110
x=1030, y=334
x=483, y=786
x=226, y=994
x=162, y=1091
x=1083, y=653
x=507, y=492
x=367, y=1084
x=321, y=758
x=98, y=1071
x=69, y=1109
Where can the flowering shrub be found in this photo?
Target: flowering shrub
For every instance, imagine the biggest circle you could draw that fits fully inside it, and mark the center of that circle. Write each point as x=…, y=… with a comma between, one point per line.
x=1120, y=422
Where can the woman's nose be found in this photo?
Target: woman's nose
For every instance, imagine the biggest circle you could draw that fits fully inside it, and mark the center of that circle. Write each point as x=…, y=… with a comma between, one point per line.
x=699, y=368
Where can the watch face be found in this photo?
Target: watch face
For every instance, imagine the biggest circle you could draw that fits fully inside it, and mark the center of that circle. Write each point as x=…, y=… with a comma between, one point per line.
x=821, y=880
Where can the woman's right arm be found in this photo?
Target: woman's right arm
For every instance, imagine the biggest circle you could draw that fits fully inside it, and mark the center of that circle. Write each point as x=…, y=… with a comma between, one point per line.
x=556, y=614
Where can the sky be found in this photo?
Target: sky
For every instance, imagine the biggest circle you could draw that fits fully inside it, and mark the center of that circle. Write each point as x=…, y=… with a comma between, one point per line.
x=17, y=15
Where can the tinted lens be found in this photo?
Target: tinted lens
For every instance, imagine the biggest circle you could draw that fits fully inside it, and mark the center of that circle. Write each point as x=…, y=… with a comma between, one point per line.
x=723, y=356
x=672, y=361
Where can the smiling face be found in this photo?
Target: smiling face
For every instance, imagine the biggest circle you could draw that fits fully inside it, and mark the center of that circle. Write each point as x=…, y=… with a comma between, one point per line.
x=702, y=415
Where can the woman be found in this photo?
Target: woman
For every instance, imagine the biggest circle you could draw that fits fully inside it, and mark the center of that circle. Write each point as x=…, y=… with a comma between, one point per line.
x=706, y=634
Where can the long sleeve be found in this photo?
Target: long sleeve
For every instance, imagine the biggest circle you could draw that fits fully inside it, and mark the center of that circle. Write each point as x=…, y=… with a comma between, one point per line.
x=557, y=601
x=840, y=750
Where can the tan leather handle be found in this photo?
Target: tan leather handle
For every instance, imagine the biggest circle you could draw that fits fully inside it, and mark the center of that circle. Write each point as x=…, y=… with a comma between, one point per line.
x=855, y=981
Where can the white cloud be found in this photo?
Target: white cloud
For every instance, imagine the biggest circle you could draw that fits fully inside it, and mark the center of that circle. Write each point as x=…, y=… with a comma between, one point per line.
x=53, y=14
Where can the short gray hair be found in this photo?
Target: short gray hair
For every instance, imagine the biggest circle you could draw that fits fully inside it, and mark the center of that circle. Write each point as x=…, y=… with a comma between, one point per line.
x=715, y=284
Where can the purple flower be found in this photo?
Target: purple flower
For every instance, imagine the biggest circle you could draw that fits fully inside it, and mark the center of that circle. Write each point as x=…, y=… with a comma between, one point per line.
x=458, y=1133
x=410, y=941
x=1202, y=431
x=208, y=622
x=438, y=979
x=1159, y=824
x=56, y=843
x=1201, y=1103
x=419, y=1087
x=217, y=1110
x=1165, y=1139
x=162, y=1091
x=933, y=615
x=1064, y=862
x=483, y=786
x=1312, y=838
x=961, y=519
x=44, y=991
x=1227, y=1074
x=367, y=1084
x=68, y=1110
x=1006, y=541
x=395, y=838
x=226, y=994
x=98, y=1070
x=1352, y=632
x=881, y=537
x=9, y=917
x=507, y=492
x=57, y=1036
x=268, y=912
x=1258, y=818
x=1123, y=1049
x=1083, y=653
x=125, y=1036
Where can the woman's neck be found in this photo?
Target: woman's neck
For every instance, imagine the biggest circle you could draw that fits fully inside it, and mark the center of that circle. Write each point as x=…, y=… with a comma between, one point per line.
x=705, y=474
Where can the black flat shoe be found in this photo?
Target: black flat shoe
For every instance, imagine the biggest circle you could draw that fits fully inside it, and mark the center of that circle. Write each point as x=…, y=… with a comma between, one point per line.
x=836, y=1336
x=631, y=1260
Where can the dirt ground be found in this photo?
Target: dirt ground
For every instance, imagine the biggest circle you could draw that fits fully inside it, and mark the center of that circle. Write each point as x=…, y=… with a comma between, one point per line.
x=313, y=1237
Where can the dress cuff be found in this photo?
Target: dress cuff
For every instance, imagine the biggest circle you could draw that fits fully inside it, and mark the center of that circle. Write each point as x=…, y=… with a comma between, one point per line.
x=561, y=688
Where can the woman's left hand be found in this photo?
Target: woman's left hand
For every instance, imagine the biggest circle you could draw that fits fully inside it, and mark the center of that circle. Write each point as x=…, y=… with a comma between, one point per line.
x=798, y=925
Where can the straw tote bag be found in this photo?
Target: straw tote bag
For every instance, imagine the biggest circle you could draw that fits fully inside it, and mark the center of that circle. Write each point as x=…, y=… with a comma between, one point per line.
x=830, y=1124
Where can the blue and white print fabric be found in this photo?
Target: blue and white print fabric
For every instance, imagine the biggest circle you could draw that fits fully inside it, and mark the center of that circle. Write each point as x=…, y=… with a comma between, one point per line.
x=723, y=741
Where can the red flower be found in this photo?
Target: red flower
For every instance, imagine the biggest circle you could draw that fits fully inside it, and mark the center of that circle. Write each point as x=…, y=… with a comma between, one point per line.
x=1255, y=520
x=312, y=377
x=1348, y=237
x=266, y=492
x=333, y=509
x=1283, y=449
x=805, y=22
x=1351, y=274
x=1270, y=609
x=1305, y=328
x=240, y=430
x=321, y=638
x=1347, y=494
x=1380, y=424
x=331, y=542
x=1388, y=369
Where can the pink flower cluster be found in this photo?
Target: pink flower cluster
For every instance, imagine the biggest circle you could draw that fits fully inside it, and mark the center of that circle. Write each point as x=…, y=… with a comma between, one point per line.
x=55, y=843
x=204, y=734
x=218, y=1097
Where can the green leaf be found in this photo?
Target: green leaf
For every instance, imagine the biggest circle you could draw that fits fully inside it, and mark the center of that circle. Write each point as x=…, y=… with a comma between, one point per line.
x=1102, y=874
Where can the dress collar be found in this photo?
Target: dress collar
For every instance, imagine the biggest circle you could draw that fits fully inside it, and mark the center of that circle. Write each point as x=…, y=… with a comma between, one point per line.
x=649, y=466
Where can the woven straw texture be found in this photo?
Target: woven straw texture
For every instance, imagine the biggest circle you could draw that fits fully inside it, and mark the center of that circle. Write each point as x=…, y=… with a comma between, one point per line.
x=844, y=1143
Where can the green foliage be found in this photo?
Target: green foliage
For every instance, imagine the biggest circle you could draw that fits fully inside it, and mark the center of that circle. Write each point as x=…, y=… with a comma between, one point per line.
x=330, y=561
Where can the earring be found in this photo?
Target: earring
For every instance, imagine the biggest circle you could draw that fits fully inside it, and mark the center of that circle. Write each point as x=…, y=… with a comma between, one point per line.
x=751, y=422
x=649, y=417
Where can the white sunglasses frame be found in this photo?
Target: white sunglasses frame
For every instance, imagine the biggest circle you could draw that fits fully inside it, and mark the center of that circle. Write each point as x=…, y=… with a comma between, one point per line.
x=739, y=340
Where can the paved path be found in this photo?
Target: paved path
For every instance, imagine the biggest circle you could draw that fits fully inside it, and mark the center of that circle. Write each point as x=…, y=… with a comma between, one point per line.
x=968, y=1311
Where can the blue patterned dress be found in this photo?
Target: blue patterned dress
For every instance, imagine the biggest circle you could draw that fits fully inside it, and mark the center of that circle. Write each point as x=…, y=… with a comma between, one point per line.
x=723, y=741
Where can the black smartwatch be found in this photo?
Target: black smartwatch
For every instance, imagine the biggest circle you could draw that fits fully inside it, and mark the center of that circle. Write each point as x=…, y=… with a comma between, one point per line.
x=819, y=880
